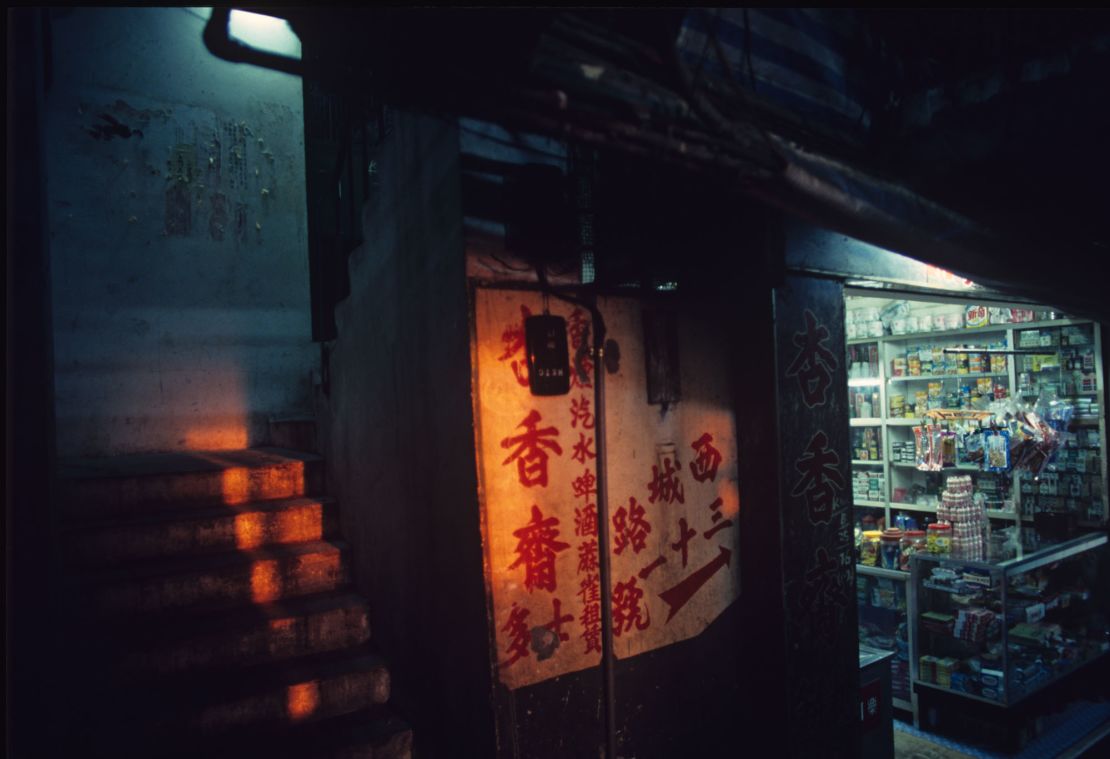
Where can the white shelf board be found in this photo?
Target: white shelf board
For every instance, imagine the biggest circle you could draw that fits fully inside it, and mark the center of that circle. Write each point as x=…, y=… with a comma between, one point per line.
x=968, y=331
x=864, y=382
x=867, y=462
x=865, y=421
x=934, y=377
x=869, y=504
x=911, y=507
x=893, y=574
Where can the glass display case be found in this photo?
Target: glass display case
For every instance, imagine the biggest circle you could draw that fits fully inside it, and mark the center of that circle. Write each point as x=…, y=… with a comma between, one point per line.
x=884, y=625
x=1001, y=629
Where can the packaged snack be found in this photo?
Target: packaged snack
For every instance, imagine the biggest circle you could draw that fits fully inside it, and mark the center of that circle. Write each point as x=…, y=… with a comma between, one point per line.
x=948, y=449
x=997, y=450
x=921, y=448
x=976, y=316
x=936, y=448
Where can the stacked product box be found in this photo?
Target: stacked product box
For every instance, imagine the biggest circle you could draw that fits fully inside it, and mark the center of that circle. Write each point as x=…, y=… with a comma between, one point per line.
x=868, y=486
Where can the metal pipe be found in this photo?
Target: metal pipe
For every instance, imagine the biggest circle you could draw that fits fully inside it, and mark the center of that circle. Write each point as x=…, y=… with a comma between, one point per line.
x=608, y=685
x=608, y=679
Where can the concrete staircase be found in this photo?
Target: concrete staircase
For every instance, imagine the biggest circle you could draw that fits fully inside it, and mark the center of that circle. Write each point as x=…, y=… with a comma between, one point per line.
x=212, y=614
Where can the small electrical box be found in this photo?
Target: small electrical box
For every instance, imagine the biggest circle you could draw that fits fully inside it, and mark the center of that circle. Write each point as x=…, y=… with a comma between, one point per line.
x=545, y=339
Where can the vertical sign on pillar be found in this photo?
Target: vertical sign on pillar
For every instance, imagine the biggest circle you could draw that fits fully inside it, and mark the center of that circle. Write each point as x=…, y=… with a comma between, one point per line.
x=818, y=564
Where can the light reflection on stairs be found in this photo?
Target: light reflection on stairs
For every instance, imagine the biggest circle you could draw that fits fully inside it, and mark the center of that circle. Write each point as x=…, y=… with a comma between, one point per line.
x=211, y=613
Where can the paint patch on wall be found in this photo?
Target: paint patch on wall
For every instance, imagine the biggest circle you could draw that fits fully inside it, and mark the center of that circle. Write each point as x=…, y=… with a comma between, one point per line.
x=217, y=219
x=179, y=210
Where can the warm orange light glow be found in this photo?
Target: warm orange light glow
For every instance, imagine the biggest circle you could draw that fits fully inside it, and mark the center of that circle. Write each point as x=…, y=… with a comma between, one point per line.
x=266, y=582
x=293, y=525
x=222, y=437
x=302, y=700
x=242, y=484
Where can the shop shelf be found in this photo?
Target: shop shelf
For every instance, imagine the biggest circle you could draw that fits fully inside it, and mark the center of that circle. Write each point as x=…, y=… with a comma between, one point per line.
x=865, y=421
x=869, y=504
x=911, y=507
x=934, y=377
x=893, y=574
x=864, y=382
x=934, y=686
x=867, y=462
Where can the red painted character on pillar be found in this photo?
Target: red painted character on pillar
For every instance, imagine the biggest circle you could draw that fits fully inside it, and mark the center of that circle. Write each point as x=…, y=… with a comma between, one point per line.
x=582, y=449
x=665, y=485
x=627, y=612
x=529, y=453
x=519, y=637
x=587, y=556
x=706, y=459
x=513, y=339
x=684, y=535
x=821, y=480
x=630, y=527
x=813, y=364
x=718, y=524
x=578, y=331
x=537, y=549
x=556, y=624
x=590, y=593
x=580, y=412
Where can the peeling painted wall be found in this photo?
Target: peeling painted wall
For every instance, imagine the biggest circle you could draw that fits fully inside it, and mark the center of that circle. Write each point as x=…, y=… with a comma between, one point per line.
x=175, y=186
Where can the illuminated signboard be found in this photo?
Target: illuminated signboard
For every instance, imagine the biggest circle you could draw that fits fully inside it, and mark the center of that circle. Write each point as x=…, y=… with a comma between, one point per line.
x=672, y=493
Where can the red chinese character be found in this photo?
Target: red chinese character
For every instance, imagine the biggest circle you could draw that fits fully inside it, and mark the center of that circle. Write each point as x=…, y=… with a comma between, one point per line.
x=578, y=330
x=513, y=338
x=556, y=624
x=813, y=364
x=589, y=590
x=684, y=535
x=627, y=612
x=590, y=593
x=706, y=459
x=530, y=456
x=585, y=521
x=821, y=479
x=824, y=593
x=518, y=634
x=591, y=627
x=665, y=486
x=718, y=525
x=643, y=573
x=630, y=527
x=537, y=550
x=582, y=449
x=580, y=411
x=587, y=556
x=585, y=486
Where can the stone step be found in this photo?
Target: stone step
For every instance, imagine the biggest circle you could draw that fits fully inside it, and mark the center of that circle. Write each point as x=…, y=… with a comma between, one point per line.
x=369, y=734
x=215, y=581
x=170, y=644
x=92, y=489
x=198, y=531
x=180, y=715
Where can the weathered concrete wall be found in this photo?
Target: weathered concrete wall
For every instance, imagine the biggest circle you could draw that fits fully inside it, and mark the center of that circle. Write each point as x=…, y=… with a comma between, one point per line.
x=176, y=195
x=398, y=438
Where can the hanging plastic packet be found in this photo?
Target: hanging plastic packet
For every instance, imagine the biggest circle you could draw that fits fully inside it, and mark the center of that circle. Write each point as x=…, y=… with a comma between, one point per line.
x=921, y=448
x=948, y=449
x=997, y=451
x=936, y=448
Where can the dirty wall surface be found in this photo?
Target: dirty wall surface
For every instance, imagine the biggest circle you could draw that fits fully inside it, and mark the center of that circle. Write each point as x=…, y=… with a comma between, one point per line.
x=175, y=188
